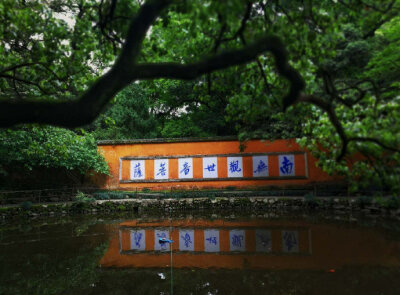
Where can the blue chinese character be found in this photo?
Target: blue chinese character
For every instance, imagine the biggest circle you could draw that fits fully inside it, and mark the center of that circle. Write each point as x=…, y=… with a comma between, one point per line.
x=161, y=236
x=137, y=237
x=234, y=166
x=186, y=168
x=212, y=240
x=186, y=239
x=210, y=167
x=137, y=172
x=162, y=170
x=287, y=166
x=290, y=240
x=261, y=167
x=237, y=240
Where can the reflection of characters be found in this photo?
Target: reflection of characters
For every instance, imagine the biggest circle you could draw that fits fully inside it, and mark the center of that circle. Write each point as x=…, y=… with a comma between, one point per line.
x=265, y=240
x=186, y=168
x=210, y=167
x=162, y=170
x=234, y=166
x=261, y=167
x=137, y=238
x=237, y=240
x=287, y=166
x=137, y=172
x=161, y=238
x=290, y=240
x=186, y=240
x=212, y=240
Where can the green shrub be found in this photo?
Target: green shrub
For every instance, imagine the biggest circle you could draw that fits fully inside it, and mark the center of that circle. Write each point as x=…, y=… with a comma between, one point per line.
x=83, y=198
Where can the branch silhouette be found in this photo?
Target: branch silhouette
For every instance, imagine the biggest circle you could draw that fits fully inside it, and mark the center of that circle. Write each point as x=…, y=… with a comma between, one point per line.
x=81, y=111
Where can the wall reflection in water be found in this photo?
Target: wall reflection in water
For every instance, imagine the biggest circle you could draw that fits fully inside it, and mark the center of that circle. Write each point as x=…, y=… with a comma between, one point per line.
x=253, y=244
x=206, y=244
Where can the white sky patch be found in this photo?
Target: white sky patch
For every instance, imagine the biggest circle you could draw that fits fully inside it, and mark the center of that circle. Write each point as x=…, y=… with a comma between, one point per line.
x=65, y=17
x=37, y=36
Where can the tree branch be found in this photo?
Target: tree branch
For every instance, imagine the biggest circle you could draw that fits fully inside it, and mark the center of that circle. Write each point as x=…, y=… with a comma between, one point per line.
x=375, y=141
x=243, y=24
x=224, y=60
x=76, y=113
x=15, y=78
x=13, y=67
x=328, y=108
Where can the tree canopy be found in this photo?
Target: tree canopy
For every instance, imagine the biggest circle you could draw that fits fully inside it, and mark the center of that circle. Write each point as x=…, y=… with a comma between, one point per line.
x=326, y=72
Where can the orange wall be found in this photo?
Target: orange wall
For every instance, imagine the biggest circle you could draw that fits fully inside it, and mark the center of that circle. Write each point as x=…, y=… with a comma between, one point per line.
x=305, y=169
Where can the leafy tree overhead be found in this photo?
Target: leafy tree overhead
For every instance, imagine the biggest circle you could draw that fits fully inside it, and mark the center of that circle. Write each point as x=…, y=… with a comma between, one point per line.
x=332, y=65
x=129, y=65
x=130, y=116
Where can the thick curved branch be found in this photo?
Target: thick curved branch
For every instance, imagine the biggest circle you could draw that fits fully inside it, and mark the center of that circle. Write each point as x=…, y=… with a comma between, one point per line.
x=138, y=29
x=76, y=113
x=227, y=59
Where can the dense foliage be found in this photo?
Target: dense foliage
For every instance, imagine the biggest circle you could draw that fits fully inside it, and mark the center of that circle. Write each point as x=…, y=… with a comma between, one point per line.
x=50, y=147
x=346, y=52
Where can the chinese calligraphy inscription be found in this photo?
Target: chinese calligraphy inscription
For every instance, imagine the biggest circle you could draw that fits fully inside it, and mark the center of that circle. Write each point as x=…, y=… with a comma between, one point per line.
x=185, y=167
x=290, y=241
x=235, y=166
x=263, y=240
x=138, y=240
x=210, y=167
x=161, y=234
x=260, y=166
x=186, y=240
x=211, y=240
x=237, y=240
x=137, y=169
x=161, y=169
x=286, y=165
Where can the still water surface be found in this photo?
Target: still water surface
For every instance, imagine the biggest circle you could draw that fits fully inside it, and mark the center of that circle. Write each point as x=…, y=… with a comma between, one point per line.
x=212, y=254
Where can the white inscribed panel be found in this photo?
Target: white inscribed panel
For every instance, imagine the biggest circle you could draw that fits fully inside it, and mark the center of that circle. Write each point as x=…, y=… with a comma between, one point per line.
x=161, y=169
x=290, y=241
x=263, y=240
x=237, y=241
x=210, y=167
x=185, y=167
x=260, y=166
x=286, y=165
x=211, y=240
x=138, y=240
x=163, y=233
x=235, y=166
x=137, y=169
x=186, y=240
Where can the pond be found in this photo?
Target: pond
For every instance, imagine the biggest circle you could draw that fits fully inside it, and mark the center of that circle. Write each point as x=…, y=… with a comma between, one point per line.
x=210, y=254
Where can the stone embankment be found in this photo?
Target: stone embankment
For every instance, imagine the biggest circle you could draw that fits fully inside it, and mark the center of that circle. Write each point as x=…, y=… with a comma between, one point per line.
x=341, y=205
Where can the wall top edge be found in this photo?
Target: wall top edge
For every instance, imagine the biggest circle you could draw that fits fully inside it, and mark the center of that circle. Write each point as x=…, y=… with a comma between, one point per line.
x=176, y=140
x=167, y=140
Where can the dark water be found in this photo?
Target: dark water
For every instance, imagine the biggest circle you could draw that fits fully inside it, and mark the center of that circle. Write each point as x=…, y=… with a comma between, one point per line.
x=212, y=254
